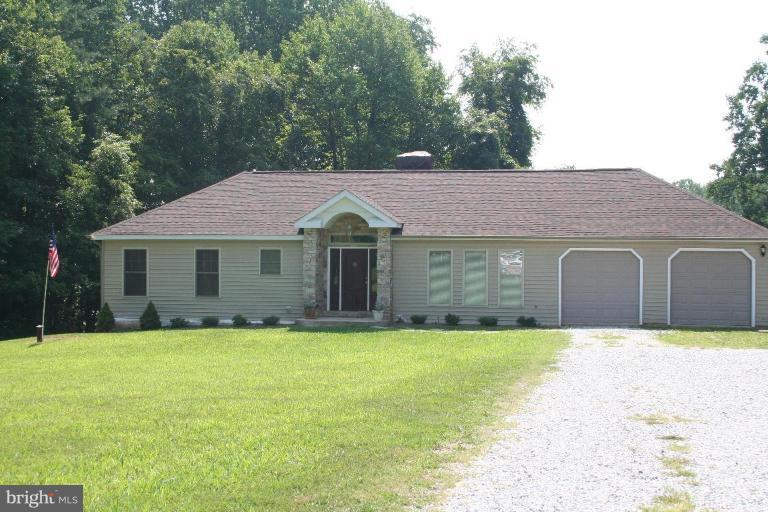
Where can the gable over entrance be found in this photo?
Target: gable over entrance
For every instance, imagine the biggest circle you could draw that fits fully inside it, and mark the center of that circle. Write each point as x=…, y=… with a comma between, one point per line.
x=346, y=202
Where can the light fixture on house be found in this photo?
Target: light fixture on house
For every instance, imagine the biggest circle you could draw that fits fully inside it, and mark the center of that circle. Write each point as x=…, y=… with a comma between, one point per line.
x=762, y=250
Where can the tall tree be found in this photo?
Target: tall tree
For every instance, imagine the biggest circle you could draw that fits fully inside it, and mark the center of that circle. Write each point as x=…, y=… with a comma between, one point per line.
x=506, y=82
x=691, y=186
x=742, y=182
x=357, y=87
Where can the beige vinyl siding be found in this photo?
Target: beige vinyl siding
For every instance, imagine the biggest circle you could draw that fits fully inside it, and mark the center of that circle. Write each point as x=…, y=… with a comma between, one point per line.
x=171, y=280
x=541, y=277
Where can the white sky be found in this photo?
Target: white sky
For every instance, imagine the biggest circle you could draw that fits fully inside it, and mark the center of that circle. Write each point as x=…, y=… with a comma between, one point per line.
x=635, y=84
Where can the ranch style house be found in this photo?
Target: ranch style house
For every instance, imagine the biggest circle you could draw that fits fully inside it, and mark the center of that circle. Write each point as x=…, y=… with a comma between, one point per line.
x=596, y=247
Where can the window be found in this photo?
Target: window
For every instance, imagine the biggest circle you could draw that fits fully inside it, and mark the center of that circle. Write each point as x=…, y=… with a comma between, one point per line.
x=511, y=278
x=207, y=272
x=269, y=261
x=440, y=277
x=135, y=272
x=475, y=278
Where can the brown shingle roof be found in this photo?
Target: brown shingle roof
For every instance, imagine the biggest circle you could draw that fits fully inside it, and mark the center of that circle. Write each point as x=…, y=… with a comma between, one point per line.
x=603, y=203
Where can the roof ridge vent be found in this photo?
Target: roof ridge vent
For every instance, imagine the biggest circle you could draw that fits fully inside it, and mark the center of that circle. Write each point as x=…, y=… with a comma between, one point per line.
x=415, y=160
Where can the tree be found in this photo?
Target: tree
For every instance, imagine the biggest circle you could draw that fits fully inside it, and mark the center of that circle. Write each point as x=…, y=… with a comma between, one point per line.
x=358, y=90
x=691, y=186
x=179, y=140
x=742, y=180
x=505, y=83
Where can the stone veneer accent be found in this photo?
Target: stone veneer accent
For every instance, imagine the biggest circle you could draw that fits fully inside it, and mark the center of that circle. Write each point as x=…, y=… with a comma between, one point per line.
x=384, y=271
x=314, y=267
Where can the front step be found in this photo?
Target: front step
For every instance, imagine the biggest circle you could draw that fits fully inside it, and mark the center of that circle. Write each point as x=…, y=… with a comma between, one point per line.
x=346, y=314
x=332, y=321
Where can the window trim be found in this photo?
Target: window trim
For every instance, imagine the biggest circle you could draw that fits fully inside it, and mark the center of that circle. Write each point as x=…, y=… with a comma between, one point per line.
x=194, y=271
x=522, y=279
x=429, y=301
x=464, y=278
x=122, y=271
x=262, y=249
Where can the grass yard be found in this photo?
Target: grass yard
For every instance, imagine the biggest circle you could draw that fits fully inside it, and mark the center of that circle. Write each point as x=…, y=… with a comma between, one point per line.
x=253, y=419
x=716, y=339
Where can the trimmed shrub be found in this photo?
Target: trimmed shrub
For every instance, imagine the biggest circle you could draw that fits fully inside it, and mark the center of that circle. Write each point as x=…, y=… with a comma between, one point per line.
x=105, y=320
x=527, y=321
x=418, y=319
x=179, y=323
x=239, y=321
x=452, y=319
x=270, y=320
x=210, y=321
x=488, y=321
x=149, y=318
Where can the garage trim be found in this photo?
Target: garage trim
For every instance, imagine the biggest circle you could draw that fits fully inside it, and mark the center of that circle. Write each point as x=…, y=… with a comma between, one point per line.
x=709, y=249
x=601, y=249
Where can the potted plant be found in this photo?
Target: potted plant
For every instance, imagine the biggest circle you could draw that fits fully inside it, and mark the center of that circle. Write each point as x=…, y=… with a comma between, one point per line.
x=310, y=309
x=378, y=312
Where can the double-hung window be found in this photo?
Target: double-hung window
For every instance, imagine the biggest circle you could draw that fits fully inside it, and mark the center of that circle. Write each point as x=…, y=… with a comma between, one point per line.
x=440, y=289
x=135, y=272
x=511, y=277
x=269, y=262
x=475, y=278
x=207, y=272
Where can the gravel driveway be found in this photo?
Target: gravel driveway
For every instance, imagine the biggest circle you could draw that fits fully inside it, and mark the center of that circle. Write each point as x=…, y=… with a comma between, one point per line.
x=626, y=420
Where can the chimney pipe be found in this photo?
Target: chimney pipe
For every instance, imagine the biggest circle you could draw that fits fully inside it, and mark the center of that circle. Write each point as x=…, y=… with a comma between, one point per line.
x=415, y=160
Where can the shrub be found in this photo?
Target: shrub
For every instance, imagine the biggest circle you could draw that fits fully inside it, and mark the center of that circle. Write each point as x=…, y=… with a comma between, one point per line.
x=149, y=318
x=179, y=323
x=238, y=321
x=452, y=319
x=105, y=320
x=210, y=321
x=527, y=321
x=270, y=320
x=488, y=321
x=418, y=319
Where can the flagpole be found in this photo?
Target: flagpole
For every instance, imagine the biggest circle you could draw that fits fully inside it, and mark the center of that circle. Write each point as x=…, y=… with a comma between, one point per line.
x=45, y=296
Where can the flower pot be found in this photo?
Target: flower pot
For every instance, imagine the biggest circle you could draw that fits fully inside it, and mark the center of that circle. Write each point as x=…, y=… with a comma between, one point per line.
x=378, y=315
x=310, y=313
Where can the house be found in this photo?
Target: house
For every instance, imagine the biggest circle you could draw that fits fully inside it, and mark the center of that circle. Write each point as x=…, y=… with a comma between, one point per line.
x=569, y=247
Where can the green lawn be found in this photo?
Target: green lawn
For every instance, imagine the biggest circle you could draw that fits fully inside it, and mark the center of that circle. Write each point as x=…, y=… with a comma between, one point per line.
x=253, y=419
x=716, y=339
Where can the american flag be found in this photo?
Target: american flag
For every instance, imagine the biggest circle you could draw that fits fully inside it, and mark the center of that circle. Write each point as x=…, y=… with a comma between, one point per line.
x=53, y=255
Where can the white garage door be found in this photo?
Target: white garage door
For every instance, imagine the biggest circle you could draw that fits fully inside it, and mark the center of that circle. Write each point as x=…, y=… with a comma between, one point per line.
x=600, y=288
x=711, y=289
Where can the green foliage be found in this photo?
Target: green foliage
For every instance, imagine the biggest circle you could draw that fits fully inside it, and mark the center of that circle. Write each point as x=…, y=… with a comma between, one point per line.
x=149, y=318
x=418, y=319
x=691, y=186
x=105, y=320
x=210, y=321
x=527, y=321
x=488, y=321
x=452, y=319
x=742, y=182
x=179, y=323
x=504, y=83
x=238, y=321
x=270, y=320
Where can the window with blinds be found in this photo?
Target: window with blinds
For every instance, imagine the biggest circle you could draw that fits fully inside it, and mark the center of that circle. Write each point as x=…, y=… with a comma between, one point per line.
x=207, y=272
x=135, y=272
x=475, y=278
x=269, y=261
x=440, y=289
x=511, y=277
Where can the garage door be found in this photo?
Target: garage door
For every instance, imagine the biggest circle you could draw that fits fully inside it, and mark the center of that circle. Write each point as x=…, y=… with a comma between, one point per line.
x=711, y=288
x=600, y=288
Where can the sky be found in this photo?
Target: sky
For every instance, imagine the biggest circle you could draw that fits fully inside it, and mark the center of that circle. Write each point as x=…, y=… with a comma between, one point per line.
x=634, y=84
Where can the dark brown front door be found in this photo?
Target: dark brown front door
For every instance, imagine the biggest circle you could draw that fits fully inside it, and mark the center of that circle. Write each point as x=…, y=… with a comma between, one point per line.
x=354, y=279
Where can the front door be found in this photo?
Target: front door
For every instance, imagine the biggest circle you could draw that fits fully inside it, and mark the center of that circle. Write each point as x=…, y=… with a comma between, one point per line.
x=354, y=279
